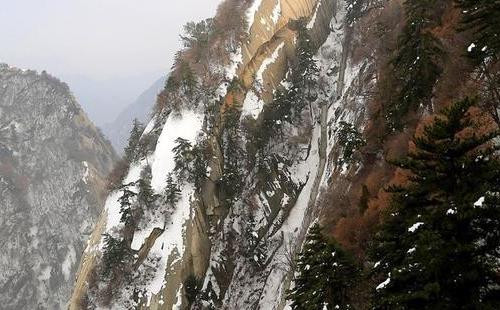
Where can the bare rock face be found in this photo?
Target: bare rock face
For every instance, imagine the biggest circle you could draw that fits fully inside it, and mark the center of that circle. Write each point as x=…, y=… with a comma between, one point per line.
x=237, y=252
x=53, y=162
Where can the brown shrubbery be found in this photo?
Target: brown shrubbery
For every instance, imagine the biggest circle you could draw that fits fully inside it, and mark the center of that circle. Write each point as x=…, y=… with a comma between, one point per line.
x=116, y=176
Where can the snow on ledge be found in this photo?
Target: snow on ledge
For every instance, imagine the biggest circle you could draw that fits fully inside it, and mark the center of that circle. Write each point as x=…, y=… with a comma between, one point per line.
x=187, y=125
x=252, y=105
x=267, y=62
x=311, y=23
x=250, y=14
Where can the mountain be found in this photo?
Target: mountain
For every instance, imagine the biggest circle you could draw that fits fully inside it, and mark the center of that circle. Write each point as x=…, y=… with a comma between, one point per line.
x=53, y=167
x=102, y=98
x=119, y=130
x=272, y=159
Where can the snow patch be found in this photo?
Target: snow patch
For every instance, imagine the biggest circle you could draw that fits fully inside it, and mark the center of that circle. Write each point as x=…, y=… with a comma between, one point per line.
x=186, y=126
x=252, y=105
x=178, y=296
x=267, y=62
x=384, y=284
x=415, y=226
x=276, y=12
x=479, y=202
x=311, y=23
x=250, y=14
x=451, y=211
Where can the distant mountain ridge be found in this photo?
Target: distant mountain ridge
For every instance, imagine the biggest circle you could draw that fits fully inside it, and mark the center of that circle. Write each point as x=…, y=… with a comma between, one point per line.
x=119, y=130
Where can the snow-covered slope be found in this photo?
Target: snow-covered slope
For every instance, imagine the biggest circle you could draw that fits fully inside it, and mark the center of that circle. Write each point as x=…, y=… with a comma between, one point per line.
x=53, y=162
x=231, y=237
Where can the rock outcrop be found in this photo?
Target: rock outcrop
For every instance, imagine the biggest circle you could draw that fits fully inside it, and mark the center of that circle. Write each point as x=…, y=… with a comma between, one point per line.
x=53, y=163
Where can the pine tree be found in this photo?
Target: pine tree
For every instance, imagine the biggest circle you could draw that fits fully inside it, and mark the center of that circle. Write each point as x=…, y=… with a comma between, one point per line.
x=115, y=256
x=416, y=63
x=483, y=18
x=325, y=274
x=146, y=195
x=126, y=205
x=182, y=157
x=133, y=140
x=305, y=72
x=351, y=140
x=172, y=192
x=437, y=249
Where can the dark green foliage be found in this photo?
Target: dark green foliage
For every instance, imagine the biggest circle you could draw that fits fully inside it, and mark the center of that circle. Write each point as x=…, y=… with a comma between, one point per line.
x=192, y=287
x=482, y=17
x=416, y=63
x=363, y=200
x=190, y=162
x=126, y=205
x=325, y=274
x=350, y=139
x=133, y=140
x=172, y=192
x=115, y=255
x=304, y=77
x=437, y=246
x=146, y=195
x=182, y=156
x=231, y=182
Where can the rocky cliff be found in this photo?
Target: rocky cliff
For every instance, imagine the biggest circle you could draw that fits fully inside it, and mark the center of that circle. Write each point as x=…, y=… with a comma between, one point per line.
x=247, y=148
x=53, y=163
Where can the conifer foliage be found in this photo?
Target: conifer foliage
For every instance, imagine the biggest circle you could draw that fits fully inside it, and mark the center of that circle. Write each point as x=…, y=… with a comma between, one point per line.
x=133, y=140
x=325, y=273
x=483, y=17
x=416, y=63
x=438, y=247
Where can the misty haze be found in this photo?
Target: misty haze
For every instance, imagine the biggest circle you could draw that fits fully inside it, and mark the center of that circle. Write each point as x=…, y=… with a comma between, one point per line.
x=249, y=154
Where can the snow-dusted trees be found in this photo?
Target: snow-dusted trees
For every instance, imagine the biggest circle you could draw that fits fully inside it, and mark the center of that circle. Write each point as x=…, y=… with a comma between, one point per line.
x=416, y=65
x=133, y=140
x=190, y=162
x=438, y=247
x=116, y=256
x=350, y=139
x=482, y=17
x=324, y=274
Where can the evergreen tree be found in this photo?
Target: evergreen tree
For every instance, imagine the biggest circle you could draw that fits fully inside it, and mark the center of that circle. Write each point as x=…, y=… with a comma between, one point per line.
x=305, y=72
x=126, y=205
x=146, y=195
x=325, y=274
x=190, y=162
x=192, y=288
x=172, y=191
x=231, y=181
x=437, y=248
x=182, y=157
x=351, y=140
x=133, y=140
x=416, y=63
x=116, y=255
x=483, y=17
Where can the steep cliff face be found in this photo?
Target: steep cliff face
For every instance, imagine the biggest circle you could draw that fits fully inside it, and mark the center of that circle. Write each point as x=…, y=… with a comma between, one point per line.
x=234, y=247
x=52, y=167
x=258, y=98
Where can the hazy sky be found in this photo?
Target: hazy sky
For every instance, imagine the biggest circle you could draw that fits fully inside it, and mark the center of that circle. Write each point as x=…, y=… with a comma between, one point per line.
x=99, y=39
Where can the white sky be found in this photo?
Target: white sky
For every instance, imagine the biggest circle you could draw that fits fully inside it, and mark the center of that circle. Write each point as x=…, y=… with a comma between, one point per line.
x=99, y=39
